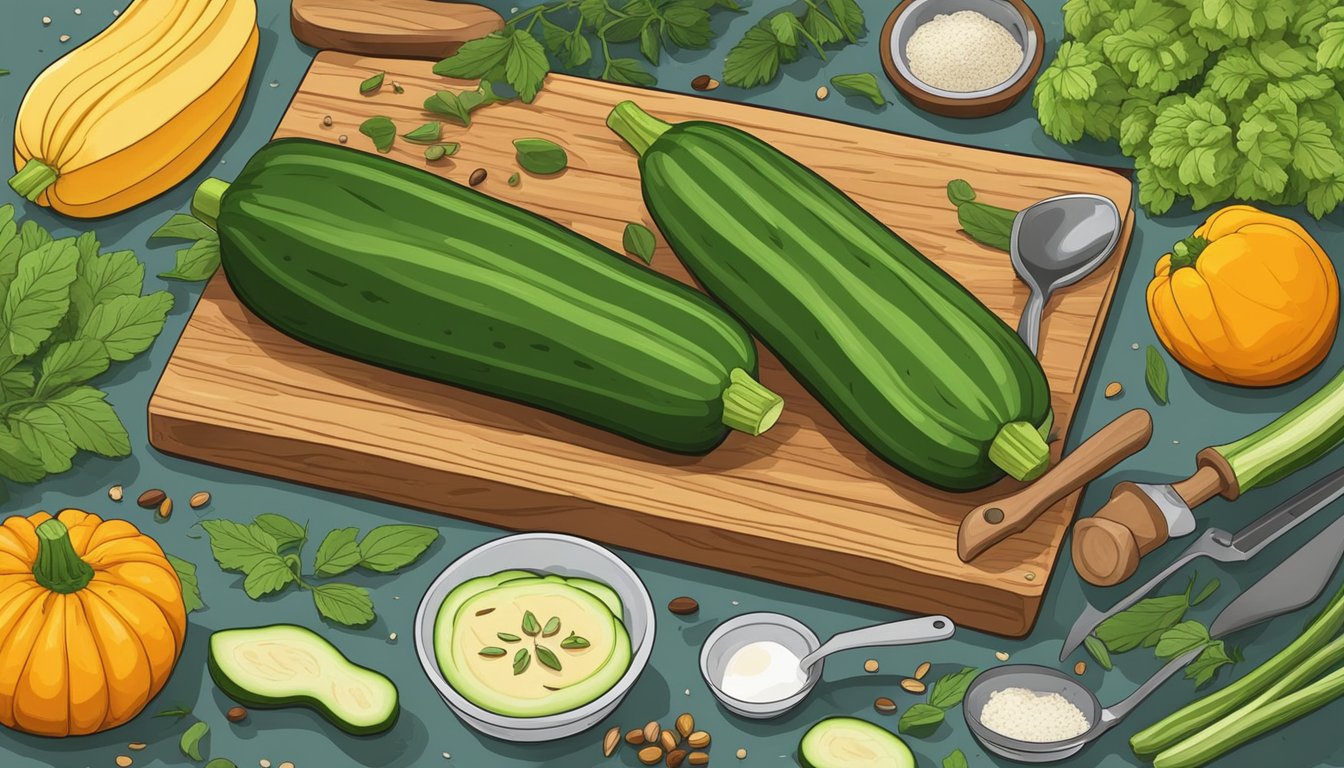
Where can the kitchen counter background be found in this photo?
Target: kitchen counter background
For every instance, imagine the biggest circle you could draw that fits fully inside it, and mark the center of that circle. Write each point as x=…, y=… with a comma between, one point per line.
x=1201, y=413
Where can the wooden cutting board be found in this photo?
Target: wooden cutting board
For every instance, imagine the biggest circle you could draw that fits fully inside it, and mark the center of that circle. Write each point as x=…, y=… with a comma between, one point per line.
x=803, y=505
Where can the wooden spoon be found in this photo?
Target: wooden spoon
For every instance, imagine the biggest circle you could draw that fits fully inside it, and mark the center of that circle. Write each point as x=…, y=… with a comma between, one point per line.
x=415, y=29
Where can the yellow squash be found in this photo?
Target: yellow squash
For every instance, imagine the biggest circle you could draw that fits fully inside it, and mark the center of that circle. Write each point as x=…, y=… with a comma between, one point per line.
x=1250, y=299
x=91, y=622
x=135, y=110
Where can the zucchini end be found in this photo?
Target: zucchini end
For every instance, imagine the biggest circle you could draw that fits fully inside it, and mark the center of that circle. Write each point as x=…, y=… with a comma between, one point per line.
x=1020, y=450
x=637, y=127
x=207, y=200
x=33, y=179
x=748, y=406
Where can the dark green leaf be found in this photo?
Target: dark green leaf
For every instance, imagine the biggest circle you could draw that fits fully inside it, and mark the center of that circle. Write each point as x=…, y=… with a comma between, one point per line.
x=547, y=658
x=90, y=422
x=1155, y=374
x=821, y=28
x=391, y=547
x=17, y=462
x=552, y=626
x=553, y=36
x=178, y=712
x=196, y=263
x=531, y=627
x=578, y=52
x=426, y=134
x=337, y=553
x=460, y=105
x=687, y=25
x=1098, y=651
x=191, y=587
x=627, y=71
x=103, y=278
x=492, y=652
x=127, y=325
x=1129, y=628
x=190, y=742
x=1206, y=592
x=955, y=760
x=344, y=604
x=639, y=241
x=16, y=383
x=372, y=84
x=540, y=156
x=38, y=296
x=860, y=84
x=286, y=532
x=508, y=637
x=950, y=689
x=183, y=227
x=650, y=44
x=440, y=151
x=960, y=191
x=849, y=16
x=626, y=29
x=920, y=719
x=521, y=660
x=381, y=130
x=71, y=362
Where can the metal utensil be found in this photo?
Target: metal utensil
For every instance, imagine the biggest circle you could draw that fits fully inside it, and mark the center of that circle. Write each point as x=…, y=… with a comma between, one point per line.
x=1223, y=547
x=740, y=631
x=1296, y=582
x=1056, y=243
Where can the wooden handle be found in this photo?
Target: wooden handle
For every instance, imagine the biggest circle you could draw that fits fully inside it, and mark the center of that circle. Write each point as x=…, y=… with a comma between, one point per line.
x=416, y=29
x=1107, y=547
x=991, y=523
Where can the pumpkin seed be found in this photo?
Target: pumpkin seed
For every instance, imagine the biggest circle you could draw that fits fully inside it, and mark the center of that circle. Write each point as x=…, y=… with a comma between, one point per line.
x=635, y=737
x=1114, y=389
x=912, y=685
x=922, y=670
x=115, y=493
x=236, y=714
x=650, y=755
x=652, y=731
x=124, y=761
x=199, y=499
x=610, y=742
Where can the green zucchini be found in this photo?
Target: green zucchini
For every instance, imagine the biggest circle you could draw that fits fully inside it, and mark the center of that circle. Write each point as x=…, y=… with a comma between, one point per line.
x=904, y=356
x=375, y=260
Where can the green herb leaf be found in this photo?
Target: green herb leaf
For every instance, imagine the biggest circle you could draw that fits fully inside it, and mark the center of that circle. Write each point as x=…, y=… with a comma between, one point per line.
x=849, y=16
x=101, y=279
x=1214, y=657
x=182, y=227
x=90, y=423
x=540, y=156
x=239, y=547
x=344, y=604
x=959, y=191
x=178, y=712
x=574, y=642
x=397, y=89
x=372, y=84
x=459, y=105
x=71, y=362
x=426, y=134
x=1155, y=374
x=191, y=587
x=491, y=652
x=650, y=44
x=196, y=263
x=38, y=296
x=127, y=325
x=627, y=71
x=17, y=462
x=221, y=762
x=381, y=130
x=40, y=430
x=4, y=72
x=521, y=660
x=1129, y=628
x=920, y=719
x=821, y=27
x=513, y=179
x=440, y=151
x=548, y=658
x=1206, y=592
x=268, y=575
x=950, y=689
x=955, y=760
x=552, y=626
x=286, y=532
x=337, y=553
x=639, y=241
x=530, y=626
x=987, y=224
x=1182, y=638
x=190, y=743
x=388, y=548
x=1098, y=651
x=860, y=84
x=507, y=637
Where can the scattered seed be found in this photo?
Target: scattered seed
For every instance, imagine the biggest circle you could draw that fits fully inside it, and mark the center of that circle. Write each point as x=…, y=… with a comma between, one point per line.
x=165, y=509
x=1080, y=668
x=823, y=92
x=701, y=82
x=286, y=764
x=392, y=636
x=610, y=742
x=683, y=606
x=342, y=138
x=652, y=731
x=78, y=11
x=742, y=754
x=1135, y=345
x=447, y=756
x=669, y=741
x=635, y=737
x=687, y=691
x=124, y=761
x=151, y=498
x=46, y=20
x=912, y=685
x=698, y=758
x=276, y=84
x=685, y=724
x=199, y=499
x=236, y=714
x=675, y=758
x=884, y=705
x=66, y=39
x=477, y=176
x=1001, y=656
x=326, y=120
x=922, y=670
x=136, y=746
x=870, y=666
x=650, y=755
x=115, y=493
x=698, y=739
x=265, y=763
x=1114, y=389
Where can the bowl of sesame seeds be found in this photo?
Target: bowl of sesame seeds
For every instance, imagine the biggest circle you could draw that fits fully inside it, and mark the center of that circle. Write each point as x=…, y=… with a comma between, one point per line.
x=962, y=58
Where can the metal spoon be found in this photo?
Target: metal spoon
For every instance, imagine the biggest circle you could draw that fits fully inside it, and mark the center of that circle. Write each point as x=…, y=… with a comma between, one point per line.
x=1294, y=583
x=740, y=631
x=1056, y=243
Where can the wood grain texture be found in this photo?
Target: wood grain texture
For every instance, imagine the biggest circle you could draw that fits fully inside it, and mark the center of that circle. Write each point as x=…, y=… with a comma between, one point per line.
x=418, y=29
x=804, y=504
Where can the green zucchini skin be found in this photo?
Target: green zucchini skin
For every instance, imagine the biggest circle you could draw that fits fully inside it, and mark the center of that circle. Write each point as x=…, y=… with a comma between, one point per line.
x=906, y=358
x=394, y=266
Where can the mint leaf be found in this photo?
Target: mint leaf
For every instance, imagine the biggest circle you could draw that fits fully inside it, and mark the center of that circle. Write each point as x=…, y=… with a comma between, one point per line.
x=1129, y=628
x=920, y=719
x=860, y=84
x=821, y=27
x=540, y=156
x=482, y=58
x=426, y=134
x=381, y=131
x=1182, y=638
x=33, y=236
x=17, y=461
x=1097, y=650
x=459, y=105
x=286, y=532
x=344, y=604
x=16, y=383
x=40, y=430
x=950, y=689
x=196, y=263
x=191, y=587
x=183, y=227
x=128, y=324
x=687, y=25
x=102, y=278
x=1208, y=662
x=268, y=574
x=848, y=16
x=372, y=84
x=755, y=59
x=71, y=362
x=526, y=66
x=239, y=547
x=639, y=241
x=1314, y=153
x=1155, y=375
x=1206, y=592
x=1330, y=51
x=955, y=760
x=627, y=71
x=90, y=422
x=390, y=547
x=338, y=552
x=38, y=296
x=650, y=44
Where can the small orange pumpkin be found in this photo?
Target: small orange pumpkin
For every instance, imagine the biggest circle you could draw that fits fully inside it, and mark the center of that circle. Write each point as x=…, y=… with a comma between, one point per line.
x=91, y=622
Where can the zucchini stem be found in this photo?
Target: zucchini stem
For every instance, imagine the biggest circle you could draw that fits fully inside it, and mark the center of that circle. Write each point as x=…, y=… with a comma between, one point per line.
x=207, y=200
x=748, y=406
x=637, y=127
x=1020, y=450
x=33, y=179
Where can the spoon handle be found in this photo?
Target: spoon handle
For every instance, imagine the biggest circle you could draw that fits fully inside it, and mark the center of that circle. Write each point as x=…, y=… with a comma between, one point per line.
x=921, y=630
x=1029, y=327
x=1112, y=715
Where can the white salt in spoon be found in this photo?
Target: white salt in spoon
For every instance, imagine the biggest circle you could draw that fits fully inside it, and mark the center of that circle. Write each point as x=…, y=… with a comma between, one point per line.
x=736, y=633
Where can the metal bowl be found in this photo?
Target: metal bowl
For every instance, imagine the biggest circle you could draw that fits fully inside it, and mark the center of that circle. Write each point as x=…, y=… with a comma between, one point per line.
x=740, y=631
x=1015, y=16
x=542, y=553
x=1033, y=678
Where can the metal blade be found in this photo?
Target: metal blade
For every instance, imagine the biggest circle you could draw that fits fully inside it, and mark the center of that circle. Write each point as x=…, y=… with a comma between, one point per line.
x=1296, y=582
x=1180, y=520
x=1283, y=518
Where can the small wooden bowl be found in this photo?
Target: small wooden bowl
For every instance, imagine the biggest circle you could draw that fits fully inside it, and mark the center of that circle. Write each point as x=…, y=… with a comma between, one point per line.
x=1015, y=15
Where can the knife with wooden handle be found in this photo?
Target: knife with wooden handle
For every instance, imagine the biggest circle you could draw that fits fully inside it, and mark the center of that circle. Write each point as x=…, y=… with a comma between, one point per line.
x=413, y=29
x=991, y=523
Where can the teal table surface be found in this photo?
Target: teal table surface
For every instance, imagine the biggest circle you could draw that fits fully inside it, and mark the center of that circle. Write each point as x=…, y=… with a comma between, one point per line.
x=1201, y=413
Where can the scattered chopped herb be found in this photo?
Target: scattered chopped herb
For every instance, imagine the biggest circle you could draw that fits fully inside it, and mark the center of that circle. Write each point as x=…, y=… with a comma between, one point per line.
x=1182, y=638
x=986, y=224
x=1155, y=374
x=426, y=134
x=4, y=72
x=860, y=84
x=1098, y=651
x=381, y=130
x=955, y=760
x=1207, y=591
x=552, y=627
x=1159, y=623
x=440, y=151
x=397, y=89
x=491, y=651
x=190, y=743
x=508, y=638
x=548, y=658
x=530, y=626
x=372, y=84
x=541, y=156
x=521, y=661
x=460, y=104
x=573, y=642
x=639, y=241
x=513, y=179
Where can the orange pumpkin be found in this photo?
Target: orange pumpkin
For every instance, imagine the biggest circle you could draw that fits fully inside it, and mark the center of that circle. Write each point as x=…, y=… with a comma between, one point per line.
x=91, y=622
x=1250, y=299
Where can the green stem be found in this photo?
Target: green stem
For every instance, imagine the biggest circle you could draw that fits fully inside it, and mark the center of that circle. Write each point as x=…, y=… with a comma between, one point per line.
x=1020, y=450
x=33, y=178
x=58, y=568
x=748, y=406
x=1186, y=252
x=207, y=200
x=637, y=127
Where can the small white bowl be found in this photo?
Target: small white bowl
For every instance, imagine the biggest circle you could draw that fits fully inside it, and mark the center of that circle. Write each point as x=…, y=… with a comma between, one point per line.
x=542, y=553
